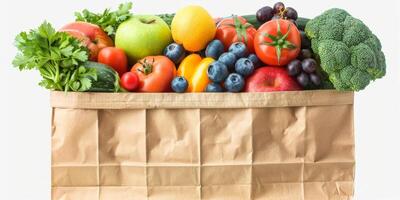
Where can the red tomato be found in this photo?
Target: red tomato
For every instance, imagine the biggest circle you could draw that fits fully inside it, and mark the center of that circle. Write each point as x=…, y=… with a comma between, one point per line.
x=130, y=81
x=236, y=29
x=155, y=74
x=277, y=42
x=115, y=58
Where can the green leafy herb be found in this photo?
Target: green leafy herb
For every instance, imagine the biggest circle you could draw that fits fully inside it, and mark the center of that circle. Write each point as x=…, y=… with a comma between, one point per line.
x=108, y=20
x=57, y=56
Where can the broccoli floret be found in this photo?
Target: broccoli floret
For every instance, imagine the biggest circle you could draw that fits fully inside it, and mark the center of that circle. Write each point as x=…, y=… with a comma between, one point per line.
x=349, y=53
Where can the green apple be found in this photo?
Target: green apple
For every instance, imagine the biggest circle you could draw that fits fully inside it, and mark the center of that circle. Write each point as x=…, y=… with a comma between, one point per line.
x=143, y=35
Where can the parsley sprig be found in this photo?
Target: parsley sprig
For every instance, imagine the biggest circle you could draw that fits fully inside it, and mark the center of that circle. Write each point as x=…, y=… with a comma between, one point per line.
x=57, y=56
x=108, y=20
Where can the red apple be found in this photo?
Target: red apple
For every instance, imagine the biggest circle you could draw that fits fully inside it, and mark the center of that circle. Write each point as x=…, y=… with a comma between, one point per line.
x=269, y=79
x=91, y=35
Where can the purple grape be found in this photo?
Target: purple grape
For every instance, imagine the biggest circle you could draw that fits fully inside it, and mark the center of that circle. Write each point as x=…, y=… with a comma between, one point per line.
x=305, y=53
x=279, y=7
x=315, y=79
x=309, y=65
x=265, y=14
x=303, y=79
x=291, y=13
x=294, y=68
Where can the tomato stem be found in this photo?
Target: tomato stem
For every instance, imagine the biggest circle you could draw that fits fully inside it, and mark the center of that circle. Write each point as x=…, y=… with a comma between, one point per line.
x=147, y=67
x=279, y=41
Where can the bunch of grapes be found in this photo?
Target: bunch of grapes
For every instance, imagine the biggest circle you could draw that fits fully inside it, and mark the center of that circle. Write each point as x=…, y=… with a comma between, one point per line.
x=305, y=70
x=279, y=11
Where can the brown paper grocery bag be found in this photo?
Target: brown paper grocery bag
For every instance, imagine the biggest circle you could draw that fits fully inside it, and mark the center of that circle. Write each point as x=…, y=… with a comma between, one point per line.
x=127, y=146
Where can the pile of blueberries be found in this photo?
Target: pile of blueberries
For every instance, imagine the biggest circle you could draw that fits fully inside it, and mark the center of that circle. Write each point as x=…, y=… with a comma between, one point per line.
x=228, y=72
x=231, y=68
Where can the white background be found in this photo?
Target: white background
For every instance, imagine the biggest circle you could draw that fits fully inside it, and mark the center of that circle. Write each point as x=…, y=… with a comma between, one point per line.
x=25, y=111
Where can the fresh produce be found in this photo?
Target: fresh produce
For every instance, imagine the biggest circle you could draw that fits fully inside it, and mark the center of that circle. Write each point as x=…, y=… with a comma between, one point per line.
x=175, y=52
x=291, y=13
x=255, y=60
x=179, y=84
x=155, y=74
x=315, y=79
x=305, y=42
x=305, y=53
x=273, y=50
x=107, y=79
x=114, y=58
x=234, y=62
x=194, y=69
x=193, y=27
x=279, y=11
x=239, y=49
x=108, y=20
x=189, y=66
x=349, y=52
x=265, y=14
x=229, y=59
x=244, y=67
x=309, y=65
x=307, y=71
x=214, y=49
x=279, y=7
x=301, y=23
x=303, y=79
x=91, y=35
x=277, y=42
x=58, y=57
x=217, y=72
x=143, y=35
x=294, y=67
x=214, y=87
x=269, y=79
x=234, y=83
x=130, y=81
x=236, y=29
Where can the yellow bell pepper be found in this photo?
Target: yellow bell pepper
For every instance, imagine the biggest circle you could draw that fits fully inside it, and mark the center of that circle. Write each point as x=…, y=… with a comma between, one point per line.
x=194, y=69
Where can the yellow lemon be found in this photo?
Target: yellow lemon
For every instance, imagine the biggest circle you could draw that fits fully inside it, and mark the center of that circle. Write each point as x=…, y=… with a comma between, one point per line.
x=193, y=27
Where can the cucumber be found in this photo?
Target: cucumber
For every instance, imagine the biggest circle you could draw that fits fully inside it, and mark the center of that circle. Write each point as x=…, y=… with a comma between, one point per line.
x=107, y=78
x=252, y=19
x=301, y=23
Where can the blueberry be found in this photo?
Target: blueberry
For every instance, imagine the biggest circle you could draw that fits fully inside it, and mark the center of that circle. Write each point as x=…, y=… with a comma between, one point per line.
x=239, y=49
x=255, y=60
x=214, y=87
x=214, y=49
x=217, y=71
x=244, y=67
x=234, y=83
x=175, y=52
x=229, y=59
x=179, y=84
